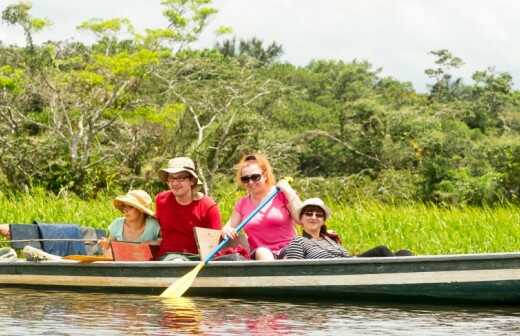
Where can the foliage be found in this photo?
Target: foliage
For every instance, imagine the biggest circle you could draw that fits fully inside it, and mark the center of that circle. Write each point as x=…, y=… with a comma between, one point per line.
x=424, y=229
x=91, y=119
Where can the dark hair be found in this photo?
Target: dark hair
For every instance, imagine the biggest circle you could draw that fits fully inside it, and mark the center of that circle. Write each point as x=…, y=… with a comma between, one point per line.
x=324, y=232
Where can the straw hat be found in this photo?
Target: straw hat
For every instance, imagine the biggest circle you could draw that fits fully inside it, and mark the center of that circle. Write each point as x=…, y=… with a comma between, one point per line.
x=177, y=165
x=138, y=199
x=317, y=202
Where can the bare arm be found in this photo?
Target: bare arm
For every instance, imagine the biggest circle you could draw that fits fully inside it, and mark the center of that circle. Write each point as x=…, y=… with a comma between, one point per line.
x=294, y=201
x=230, y=228
x=4, y=230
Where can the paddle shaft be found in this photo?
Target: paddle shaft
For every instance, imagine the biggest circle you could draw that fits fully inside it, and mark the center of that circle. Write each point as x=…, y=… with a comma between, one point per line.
x=179, y=287
x=243, y=223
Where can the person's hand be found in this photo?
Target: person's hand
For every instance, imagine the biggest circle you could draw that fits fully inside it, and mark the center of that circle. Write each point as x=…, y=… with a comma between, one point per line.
x=4, y=230
x=228, y=231
x=284, y=186
x=104, y=243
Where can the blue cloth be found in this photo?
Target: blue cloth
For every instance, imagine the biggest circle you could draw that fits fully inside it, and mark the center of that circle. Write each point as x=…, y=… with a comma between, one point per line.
x=61, y=231
x=25, y=232
x=100, y=233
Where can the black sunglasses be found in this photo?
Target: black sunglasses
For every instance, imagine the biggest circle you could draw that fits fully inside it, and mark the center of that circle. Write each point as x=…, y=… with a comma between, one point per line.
x=310, y=213
x=252, y=177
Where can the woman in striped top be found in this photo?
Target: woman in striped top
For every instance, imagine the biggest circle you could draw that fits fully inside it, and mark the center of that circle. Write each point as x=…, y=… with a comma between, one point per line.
x=318, y=243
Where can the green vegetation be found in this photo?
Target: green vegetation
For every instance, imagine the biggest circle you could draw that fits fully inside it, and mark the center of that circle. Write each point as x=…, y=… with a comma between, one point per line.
x=91, y=119
x=437, y=172
x=425, y=229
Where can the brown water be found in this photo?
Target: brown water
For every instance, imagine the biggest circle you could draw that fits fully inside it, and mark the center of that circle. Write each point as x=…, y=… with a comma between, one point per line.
x=31, y=312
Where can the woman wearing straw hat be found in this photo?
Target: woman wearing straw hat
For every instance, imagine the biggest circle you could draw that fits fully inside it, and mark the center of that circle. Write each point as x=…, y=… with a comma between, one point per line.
x=138, y=223
x=318, y=243
x=182, y=208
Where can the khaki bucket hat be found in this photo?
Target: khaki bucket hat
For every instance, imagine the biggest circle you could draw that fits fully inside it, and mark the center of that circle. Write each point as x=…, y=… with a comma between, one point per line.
x=314, y=202
x=138, y=199
x=177, y=165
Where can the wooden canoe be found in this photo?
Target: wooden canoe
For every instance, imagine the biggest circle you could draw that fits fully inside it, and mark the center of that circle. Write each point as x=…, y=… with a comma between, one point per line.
x=484, y=278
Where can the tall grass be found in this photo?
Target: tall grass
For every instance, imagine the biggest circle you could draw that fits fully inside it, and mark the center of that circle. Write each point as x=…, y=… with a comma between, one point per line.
x=424, y=229
x=49, y=208
x=427, y=229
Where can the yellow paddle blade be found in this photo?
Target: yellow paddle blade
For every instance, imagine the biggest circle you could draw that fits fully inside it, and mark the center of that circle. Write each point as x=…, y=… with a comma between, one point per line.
x=179, y=287
x=83, y=259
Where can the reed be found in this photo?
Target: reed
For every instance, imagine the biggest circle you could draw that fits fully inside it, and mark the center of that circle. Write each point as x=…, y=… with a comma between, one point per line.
x=422, y=228
x=49, y=208
x=427, y=229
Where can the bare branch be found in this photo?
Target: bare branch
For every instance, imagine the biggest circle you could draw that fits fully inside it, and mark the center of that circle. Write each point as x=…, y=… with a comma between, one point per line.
x=318, y=133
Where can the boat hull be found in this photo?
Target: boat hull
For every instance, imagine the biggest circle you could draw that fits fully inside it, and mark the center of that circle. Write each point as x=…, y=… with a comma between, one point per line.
x=484, y=278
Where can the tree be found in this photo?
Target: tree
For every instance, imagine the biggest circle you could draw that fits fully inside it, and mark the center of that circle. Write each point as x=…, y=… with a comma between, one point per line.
x=18, y=14
x=108, y=32
x=218, y=98
x=187, y=19
x=491, y=94
x=250, y=48
x=444, y=88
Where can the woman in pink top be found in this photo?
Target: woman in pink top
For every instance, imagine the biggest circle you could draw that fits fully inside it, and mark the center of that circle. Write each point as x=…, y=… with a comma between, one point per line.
x=272, y=229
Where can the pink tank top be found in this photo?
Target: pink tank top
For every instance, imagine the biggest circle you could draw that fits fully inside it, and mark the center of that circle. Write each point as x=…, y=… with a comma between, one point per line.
x=272, y=227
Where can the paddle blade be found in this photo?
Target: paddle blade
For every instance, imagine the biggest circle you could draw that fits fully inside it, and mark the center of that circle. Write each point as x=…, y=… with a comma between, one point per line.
x=85, y=259
x=180, y=286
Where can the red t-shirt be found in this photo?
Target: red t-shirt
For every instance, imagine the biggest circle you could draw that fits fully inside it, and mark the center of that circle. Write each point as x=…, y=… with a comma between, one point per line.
x=177, y=221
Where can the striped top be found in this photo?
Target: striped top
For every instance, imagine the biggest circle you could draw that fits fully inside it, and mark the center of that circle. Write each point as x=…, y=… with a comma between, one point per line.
x=306, y=248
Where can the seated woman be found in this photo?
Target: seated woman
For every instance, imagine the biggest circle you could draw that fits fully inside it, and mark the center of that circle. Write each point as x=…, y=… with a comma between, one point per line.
x=137, y=224
x=318, y=243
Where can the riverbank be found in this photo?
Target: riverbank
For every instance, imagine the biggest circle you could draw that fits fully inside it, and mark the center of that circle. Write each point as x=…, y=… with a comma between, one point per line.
x=424, y=229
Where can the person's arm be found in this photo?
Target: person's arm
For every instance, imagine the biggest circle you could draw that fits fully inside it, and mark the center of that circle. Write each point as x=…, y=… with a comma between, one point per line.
x=213, y=218
x=104, y=243
x=293, y=200
x=4, y=230
x=229, y=229
x=295, y=249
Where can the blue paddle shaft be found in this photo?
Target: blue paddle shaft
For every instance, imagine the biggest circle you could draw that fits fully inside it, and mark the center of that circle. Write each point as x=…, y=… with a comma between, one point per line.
x=246, y=220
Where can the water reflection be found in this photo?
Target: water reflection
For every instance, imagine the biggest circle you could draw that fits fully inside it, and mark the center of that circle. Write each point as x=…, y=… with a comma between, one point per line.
x=33, y=312
x=181, y=314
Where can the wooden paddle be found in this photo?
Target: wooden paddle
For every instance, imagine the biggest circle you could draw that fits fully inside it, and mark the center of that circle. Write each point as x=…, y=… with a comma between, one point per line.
x=85, y=259
x=179, y=287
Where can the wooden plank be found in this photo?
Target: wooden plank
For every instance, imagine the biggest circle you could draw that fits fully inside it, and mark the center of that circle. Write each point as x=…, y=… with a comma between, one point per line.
x=448, y=277
x=207, y=240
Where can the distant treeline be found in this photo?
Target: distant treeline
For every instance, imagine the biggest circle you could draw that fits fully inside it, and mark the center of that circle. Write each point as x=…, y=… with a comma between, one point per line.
x=91, y=118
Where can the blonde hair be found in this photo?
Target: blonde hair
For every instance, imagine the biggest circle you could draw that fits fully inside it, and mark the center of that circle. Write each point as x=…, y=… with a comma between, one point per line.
x=261, y=161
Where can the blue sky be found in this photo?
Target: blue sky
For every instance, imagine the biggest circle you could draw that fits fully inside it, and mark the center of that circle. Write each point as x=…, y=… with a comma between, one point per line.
x=395, y=35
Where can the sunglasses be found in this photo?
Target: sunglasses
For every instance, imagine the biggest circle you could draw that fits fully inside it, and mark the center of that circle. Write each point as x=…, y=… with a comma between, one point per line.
x=317, y=214
x=252, y=177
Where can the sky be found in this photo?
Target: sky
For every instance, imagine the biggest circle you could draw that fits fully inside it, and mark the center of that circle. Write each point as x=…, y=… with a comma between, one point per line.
x=395, y=35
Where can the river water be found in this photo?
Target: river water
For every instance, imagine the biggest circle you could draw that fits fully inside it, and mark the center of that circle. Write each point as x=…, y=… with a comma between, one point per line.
x=32, y=312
